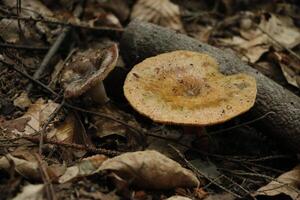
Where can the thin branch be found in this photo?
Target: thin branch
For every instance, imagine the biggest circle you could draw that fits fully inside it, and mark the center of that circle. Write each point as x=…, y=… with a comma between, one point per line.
x=239, y=125
x=66, y=24
x=200, y=174
x=45, y=176
x=24, y=47
x=51, y=117
x=73, y=146
x=30, y=77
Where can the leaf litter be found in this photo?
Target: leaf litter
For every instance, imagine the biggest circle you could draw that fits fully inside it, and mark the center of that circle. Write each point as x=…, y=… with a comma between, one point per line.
x=264, y=37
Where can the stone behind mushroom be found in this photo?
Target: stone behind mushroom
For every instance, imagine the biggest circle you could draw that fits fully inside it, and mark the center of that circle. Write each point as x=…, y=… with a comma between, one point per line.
x=86, y=70
x=185, y=87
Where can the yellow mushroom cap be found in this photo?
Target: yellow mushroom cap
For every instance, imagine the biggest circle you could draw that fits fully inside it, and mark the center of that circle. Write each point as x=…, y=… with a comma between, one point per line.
x=184, y=87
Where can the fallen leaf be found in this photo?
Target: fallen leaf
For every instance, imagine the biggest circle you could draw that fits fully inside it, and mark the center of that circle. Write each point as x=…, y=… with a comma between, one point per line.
x=22, y=101
x=31, y=31
x=32, y=121
x=86, y=167
x=252, y=44
x=109, y=127
x=25, y=168
x=290, y=67
x=161, y=12
x=287, y=184
x=223, y=196
x=151, y=170
x=177, y=197
x=207, y=168
x=282, y=29
x=31, y=192
x=172, y=137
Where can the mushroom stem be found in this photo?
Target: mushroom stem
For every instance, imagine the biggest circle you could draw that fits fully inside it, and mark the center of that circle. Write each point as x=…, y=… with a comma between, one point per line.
x=203, y=142
x=98, y=94
x=199, y=131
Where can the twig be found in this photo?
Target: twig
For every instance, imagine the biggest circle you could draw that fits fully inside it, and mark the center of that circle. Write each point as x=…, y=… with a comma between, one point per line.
x=52, y=51
x=67, y=24
x=44, y=174
x=265, y=177
x=25, y=47
x=30, y=78
x=51, y=117
x=238, y=126
x=140, y=132
x=200, y=174
x=73, y=146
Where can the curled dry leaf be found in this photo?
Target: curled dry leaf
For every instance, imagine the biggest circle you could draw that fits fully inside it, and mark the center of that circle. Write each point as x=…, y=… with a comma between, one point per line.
x=290, y=67
x=32, y=121
x=254, y=43
x=177, y=197
x=161, y=12
x=22, y=101
x=31, y=192
x=287, y=184
x=25, y=168
x=86, y=167
x=109, y=127
x=151, y=170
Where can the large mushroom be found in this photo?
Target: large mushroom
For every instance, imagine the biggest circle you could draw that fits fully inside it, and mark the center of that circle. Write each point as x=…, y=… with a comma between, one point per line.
x=186, y=88
x=86, y=70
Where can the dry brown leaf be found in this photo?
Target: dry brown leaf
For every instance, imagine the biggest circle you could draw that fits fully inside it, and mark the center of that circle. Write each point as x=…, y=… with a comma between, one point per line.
x=199, y=32
x=254, y=43
x=151, y=170
x=287, y=183
x=32, y=121
x=86, y=167
x=109, y=127
x=282, y=29
x=290, y=67
x=177, y=197
x=31, y=192
x=66, y=130
x=25, y=168
x=22, y=101
x=161, y=12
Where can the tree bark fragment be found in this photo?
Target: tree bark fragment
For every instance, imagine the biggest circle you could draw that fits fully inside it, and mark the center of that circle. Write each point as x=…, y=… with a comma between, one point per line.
x=141, y=40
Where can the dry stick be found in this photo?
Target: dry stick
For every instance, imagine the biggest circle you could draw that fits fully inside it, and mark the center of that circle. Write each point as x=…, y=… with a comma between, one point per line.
x=30, y=78
x=54, y=48
x=200, y=174
x=134, y=129
x=73, y=146
x=51, y=117
x=25, y=47
x=265, y=177
x=49, y=187
x=100, y=28
x=238, y=126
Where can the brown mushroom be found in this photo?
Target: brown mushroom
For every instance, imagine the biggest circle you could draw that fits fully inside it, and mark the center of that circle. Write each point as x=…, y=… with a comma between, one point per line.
x=186, y=88
x=86, y=70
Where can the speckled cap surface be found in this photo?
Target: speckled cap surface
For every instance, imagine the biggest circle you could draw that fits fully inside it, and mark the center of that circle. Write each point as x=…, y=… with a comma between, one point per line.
x=185, y=87
x=88, y=68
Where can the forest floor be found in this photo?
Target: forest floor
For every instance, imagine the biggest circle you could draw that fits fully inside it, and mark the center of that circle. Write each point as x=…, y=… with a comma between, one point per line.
x=54, y=147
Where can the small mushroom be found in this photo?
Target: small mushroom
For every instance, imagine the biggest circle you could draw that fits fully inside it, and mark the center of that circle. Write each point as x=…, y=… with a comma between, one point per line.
x=186, y=88
x=86, y=70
